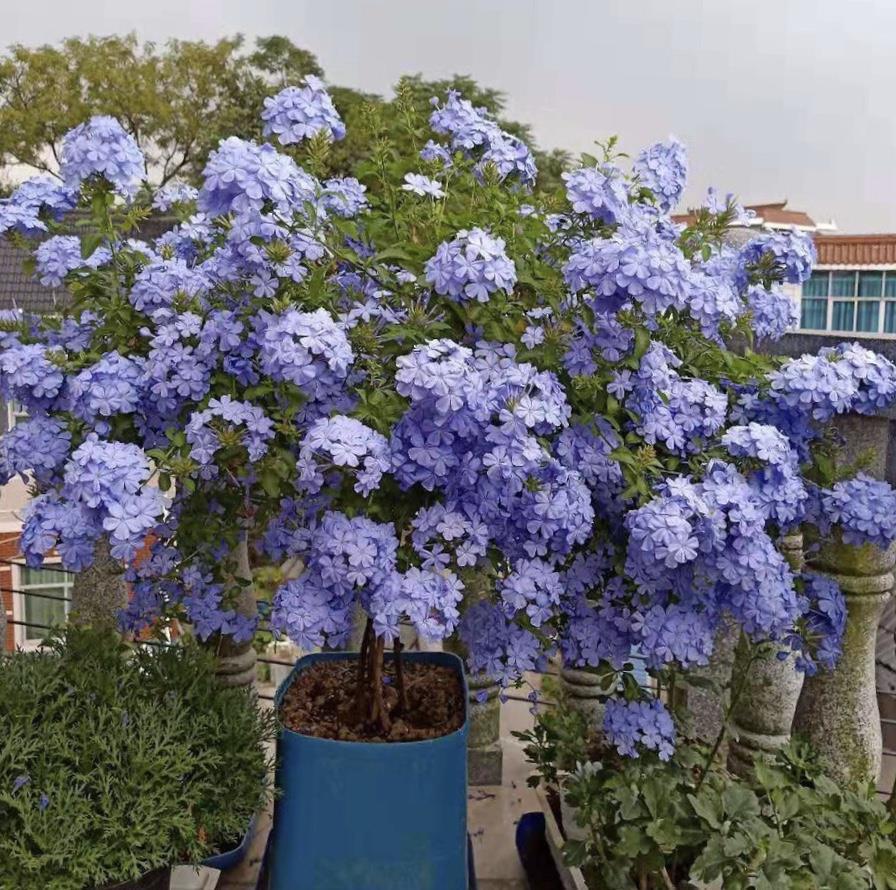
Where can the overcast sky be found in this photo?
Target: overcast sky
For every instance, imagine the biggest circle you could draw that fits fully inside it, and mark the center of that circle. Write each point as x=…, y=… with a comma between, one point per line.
x=775, y=99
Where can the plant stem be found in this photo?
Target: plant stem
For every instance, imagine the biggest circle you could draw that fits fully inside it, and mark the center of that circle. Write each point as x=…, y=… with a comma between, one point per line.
x=403, y=706
x=378, y=715
x=363, y=671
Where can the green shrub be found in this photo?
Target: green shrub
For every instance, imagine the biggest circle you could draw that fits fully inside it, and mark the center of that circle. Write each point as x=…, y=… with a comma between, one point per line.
x=656, y=825
x=116, y=761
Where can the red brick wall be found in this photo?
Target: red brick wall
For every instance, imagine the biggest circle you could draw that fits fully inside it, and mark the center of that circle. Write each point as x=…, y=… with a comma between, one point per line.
x=9, y=550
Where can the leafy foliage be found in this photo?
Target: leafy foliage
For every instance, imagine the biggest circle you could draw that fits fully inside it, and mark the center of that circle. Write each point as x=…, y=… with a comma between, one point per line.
x=655, y=824
x=116, y=761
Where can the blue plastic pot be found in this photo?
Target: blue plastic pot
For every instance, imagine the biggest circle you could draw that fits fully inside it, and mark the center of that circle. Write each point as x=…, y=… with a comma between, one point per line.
x=231, y=858
x=370, y=815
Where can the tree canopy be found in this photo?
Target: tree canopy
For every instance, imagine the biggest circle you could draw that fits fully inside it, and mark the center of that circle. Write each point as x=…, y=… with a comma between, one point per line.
x=179, y=98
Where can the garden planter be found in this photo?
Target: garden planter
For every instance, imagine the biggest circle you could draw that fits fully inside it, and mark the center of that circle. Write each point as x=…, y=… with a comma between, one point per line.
x=370, y=815
x=160, y=879
x=233, y=857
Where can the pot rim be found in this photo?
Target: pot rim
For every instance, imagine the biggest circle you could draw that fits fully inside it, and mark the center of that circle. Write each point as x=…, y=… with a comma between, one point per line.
x=446, y=658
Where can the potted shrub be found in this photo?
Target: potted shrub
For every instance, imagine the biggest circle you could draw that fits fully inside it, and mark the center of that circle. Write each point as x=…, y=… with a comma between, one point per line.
x=428, y=390
x=118, y=764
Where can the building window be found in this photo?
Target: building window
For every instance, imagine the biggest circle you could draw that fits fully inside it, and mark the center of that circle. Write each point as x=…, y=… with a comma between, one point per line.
x=47, y=610
x=847, y=302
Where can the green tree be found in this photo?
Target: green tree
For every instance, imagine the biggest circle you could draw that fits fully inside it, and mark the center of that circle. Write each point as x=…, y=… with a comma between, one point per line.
x=181, y=97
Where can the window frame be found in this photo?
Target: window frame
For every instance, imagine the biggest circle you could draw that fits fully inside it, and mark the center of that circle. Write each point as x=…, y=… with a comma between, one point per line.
x=23, y=641
x=888, y=279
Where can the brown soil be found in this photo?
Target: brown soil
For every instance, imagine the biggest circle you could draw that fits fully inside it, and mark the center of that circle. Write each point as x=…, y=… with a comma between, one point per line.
x=322, y=702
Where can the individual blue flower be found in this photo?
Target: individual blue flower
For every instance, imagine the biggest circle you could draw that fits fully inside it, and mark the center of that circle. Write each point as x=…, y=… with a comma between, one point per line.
x=422, y=185
x=101, y=147
x=298, y=113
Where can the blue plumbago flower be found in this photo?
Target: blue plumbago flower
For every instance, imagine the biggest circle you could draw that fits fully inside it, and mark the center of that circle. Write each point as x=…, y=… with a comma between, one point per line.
x=113, y=385
x=422, y=185
x=509, y=156
x=498, y=647
x=773, y=312
x=434, y=152
x=777, y=486
x=533, y=588
x=707, y=544
x=22, y=220
x=204, y=429
x=49, y=523
x=39, y=445
x=56, y=257
x=678, y=413
x=30, y=377
x=41, y=197
x=431, y=600
x=792, y=254
x=344, y=197
x=309, y=349
x=600, y=192
x=863, y=508
x=346, y=558
x=160, y=283
x=101, y=147
x=473, y=132
x=343, y=442
x=663, y=168
x=173, y=194
x=631, y=267
x=472, y=266
x=241, y=176
x=836, y=380
x=298, y=113
x=819, y=643
x=639, y=725
x=588, y=449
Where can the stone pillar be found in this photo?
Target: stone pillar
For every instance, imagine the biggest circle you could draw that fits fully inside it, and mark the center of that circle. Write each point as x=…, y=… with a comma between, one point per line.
x=485, y=758
x=837, y=710
x=99, y=592
x=236, y=661
x=582, y=689
x=706, y=707
x=763, y=712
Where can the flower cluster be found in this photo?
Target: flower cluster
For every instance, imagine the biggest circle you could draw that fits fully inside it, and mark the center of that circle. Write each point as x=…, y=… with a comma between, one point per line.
x=298, y=113
x=633, y=726
x=663, y=168
x=343, y=442
x=472, y=266
x=864, y=510
x=820, y=641
x=600, y=192
x=473, y=131
x=227, y=422
x=101, y=148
